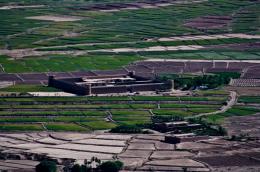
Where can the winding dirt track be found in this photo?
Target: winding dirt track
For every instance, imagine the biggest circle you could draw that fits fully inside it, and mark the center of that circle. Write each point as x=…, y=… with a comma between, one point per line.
x=230, y=104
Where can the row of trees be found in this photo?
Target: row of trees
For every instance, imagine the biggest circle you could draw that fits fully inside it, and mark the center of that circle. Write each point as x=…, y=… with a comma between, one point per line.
x=209, y=81
x=94, y=165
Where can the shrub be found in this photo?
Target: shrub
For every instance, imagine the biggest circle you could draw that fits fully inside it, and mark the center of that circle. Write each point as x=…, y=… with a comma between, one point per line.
x=208, y=81
x=111, y=166
x=126, y=129
x=46, y=166
x=76, y=168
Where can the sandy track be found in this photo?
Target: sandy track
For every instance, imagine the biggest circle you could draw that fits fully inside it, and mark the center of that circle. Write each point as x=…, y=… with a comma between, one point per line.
x=55, y=18
x=19, y=53
x=175, y=38
x=9, y=7
x=207, y=37
x=136, y=5
x=230, y=104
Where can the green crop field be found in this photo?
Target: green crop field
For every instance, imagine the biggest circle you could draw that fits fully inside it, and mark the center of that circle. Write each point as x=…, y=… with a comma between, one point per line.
x=99, y=113
x=235, y=111
x=31, y=41
x=97, y=31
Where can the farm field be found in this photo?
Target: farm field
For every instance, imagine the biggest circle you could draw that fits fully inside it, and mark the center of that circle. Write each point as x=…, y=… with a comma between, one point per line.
x=41, y=40
x=99, y=113
x=132, y=149
x=246, y=106
x=87, y=114
x=171, y=85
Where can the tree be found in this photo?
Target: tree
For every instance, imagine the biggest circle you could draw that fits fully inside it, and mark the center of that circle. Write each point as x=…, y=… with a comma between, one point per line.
x=76, y=168
x=172, y=140
x=126, y=129
x=46, y=166
x=111, y=166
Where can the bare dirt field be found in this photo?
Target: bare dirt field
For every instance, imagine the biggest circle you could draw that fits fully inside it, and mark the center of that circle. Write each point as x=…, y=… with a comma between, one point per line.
x=9, y=7
x=209, y=22
x=138, y=152
x=249, y=91
x=244, y=125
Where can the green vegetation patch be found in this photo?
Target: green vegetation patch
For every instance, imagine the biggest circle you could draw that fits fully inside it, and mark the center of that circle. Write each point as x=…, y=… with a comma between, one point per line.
x=155, y=98
x=99, y=125
x=21, y=127
x=63, y=63
x=164, y=112
x=130, y=112
x=29, y=88
x=235, y=111
x=170, y=105
x=249, y=99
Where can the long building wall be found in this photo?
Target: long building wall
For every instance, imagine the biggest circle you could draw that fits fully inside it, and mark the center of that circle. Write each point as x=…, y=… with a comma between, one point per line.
x=68, y=85
x=130, y=88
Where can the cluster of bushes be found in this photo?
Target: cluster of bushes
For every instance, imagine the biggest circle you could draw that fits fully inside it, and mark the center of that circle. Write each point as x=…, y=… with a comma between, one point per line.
x=94, y=165
x=108, y=166
x=243, y=137
x=208, y=128
x=132, y=129
x=46, y=166
x=126, y=129
x=160, y=119
x=204, y=128
x=205, y=81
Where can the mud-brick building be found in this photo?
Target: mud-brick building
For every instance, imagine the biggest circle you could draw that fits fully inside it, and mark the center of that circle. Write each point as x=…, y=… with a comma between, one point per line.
x=105, y=84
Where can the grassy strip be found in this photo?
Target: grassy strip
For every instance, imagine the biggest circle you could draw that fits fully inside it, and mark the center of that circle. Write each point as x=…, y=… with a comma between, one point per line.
x=21, y=127
x=99, y=125
x=29, y=88
x=162, y=112
x=49, y=119
x=63, y=63
x=134, y=122
x=249, y=99
x=236, y=111
x=211, y=93
x=187, y=106
x=123, y=113
x=53, y=113
x=83, y=106
x=202, y=110
x=150, y=44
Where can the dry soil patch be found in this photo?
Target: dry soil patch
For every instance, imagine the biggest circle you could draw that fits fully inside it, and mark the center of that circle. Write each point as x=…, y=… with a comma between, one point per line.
x=55, y=18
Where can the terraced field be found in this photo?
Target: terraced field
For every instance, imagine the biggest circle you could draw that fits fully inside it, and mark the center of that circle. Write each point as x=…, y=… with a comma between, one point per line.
x=246, y=106
x=115, y=33
x=99, y=113
x=165, y=38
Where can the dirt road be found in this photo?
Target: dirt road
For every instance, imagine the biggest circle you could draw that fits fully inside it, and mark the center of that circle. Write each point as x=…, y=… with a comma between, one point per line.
x=232, y=101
